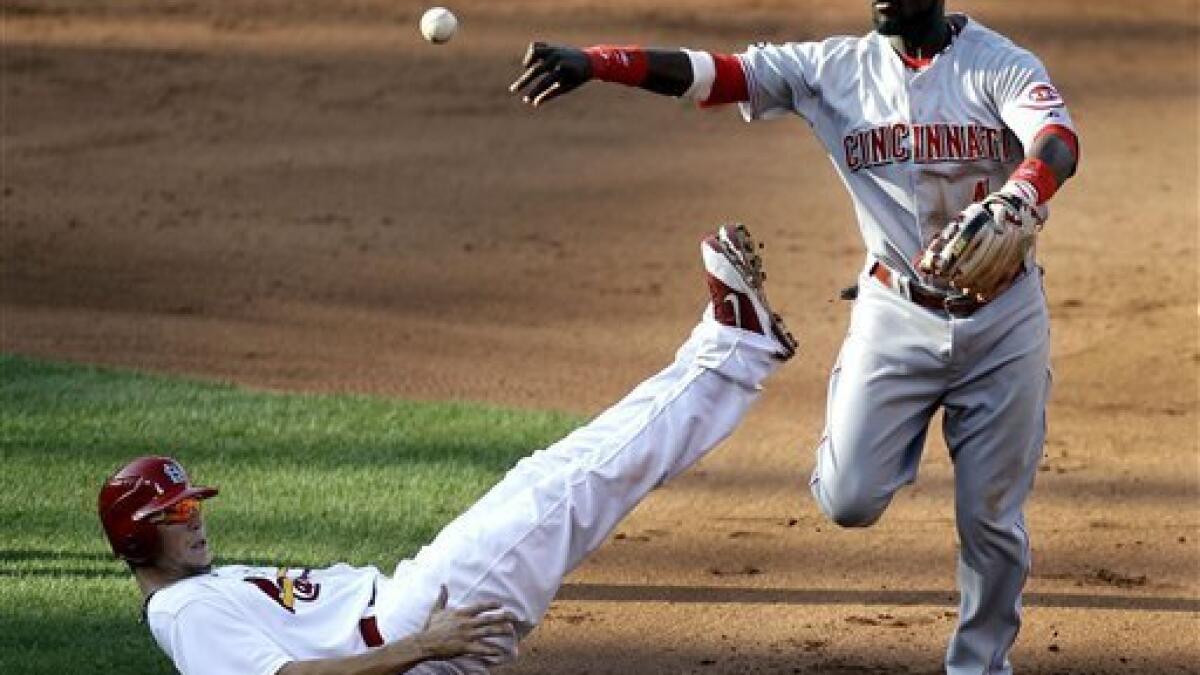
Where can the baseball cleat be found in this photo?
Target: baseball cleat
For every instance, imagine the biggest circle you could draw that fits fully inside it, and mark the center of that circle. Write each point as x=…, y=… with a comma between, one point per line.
x=735, y=281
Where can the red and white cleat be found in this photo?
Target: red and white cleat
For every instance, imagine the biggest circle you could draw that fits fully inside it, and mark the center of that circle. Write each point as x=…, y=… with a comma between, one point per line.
x=735, y=281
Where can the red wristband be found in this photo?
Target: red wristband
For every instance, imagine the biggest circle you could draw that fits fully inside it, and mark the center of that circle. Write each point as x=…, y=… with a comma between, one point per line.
x=729, y=82
x=623, y=64
x=1038, y=174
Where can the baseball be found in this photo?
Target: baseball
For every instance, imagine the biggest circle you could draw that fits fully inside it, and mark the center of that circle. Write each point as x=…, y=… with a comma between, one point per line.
x=438, y=25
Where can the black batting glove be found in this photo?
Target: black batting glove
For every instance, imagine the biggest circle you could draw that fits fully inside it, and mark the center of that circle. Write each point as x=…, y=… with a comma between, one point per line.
x=560, y=68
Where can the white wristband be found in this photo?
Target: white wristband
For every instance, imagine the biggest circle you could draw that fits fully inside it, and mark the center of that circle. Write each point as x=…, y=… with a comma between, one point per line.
x=704, y=74
x=1021, y=189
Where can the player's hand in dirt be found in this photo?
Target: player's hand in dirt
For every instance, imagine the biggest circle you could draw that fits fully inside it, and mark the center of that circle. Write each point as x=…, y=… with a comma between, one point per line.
x=464, y=631
x=553, y=70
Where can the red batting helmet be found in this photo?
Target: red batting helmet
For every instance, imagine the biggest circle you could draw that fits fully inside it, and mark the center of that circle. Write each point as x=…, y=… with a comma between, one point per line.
x=132, y=497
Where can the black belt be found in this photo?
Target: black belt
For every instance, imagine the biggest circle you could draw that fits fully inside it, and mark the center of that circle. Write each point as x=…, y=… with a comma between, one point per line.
x=954, y=304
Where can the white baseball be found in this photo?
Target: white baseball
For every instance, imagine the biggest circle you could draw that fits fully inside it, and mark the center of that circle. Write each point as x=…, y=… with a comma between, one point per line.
x=438, y=25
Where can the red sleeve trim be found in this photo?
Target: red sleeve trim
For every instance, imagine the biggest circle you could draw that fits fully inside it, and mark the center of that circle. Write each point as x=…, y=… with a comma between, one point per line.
x=622, y=64
x=730, y=85
x=1067, y=135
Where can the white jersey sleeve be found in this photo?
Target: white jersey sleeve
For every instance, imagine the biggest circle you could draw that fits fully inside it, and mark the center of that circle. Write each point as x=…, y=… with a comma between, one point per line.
x=209, y=638
x=1025, y=98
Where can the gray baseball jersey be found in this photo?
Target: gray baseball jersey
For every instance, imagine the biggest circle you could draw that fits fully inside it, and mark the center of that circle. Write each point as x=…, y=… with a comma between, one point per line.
x=914, y=147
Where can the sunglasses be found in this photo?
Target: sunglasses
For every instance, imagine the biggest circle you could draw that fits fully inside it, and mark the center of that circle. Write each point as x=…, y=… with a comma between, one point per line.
x=179, y=512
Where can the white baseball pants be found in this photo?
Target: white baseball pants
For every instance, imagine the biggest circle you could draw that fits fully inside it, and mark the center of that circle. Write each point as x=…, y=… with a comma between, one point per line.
x=516, y=544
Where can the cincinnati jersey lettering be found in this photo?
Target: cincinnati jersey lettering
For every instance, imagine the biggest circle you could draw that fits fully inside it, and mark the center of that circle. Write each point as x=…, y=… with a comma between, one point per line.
x=927, y=144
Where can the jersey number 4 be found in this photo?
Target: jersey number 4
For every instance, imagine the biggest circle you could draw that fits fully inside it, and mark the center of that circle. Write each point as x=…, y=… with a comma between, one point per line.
x=981, y=191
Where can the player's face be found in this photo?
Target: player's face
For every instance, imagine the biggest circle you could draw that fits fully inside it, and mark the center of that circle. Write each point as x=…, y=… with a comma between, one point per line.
x=896, y=17
x=183, y=541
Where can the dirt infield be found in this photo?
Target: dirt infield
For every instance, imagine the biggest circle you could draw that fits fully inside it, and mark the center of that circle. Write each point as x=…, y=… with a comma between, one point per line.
x=300, y=194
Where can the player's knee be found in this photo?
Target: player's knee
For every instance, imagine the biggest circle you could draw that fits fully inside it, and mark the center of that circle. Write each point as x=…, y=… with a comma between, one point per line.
x=849, y=505
x=985, y=533
x=854, y=515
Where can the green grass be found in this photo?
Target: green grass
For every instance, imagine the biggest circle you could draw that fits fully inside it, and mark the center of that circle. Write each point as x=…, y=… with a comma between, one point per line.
x=305, y=480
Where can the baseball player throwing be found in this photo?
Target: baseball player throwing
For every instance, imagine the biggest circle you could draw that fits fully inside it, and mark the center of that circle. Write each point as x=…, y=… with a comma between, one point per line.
x=950, y=139
x=500, y=563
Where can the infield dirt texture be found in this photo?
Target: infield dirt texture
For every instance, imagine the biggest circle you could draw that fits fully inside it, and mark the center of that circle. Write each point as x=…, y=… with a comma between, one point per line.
x=303, y=195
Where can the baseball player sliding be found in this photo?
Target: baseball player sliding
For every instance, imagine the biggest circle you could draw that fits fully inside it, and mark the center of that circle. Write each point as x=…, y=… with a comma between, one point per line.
x=950, y=139
x=499, y=563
